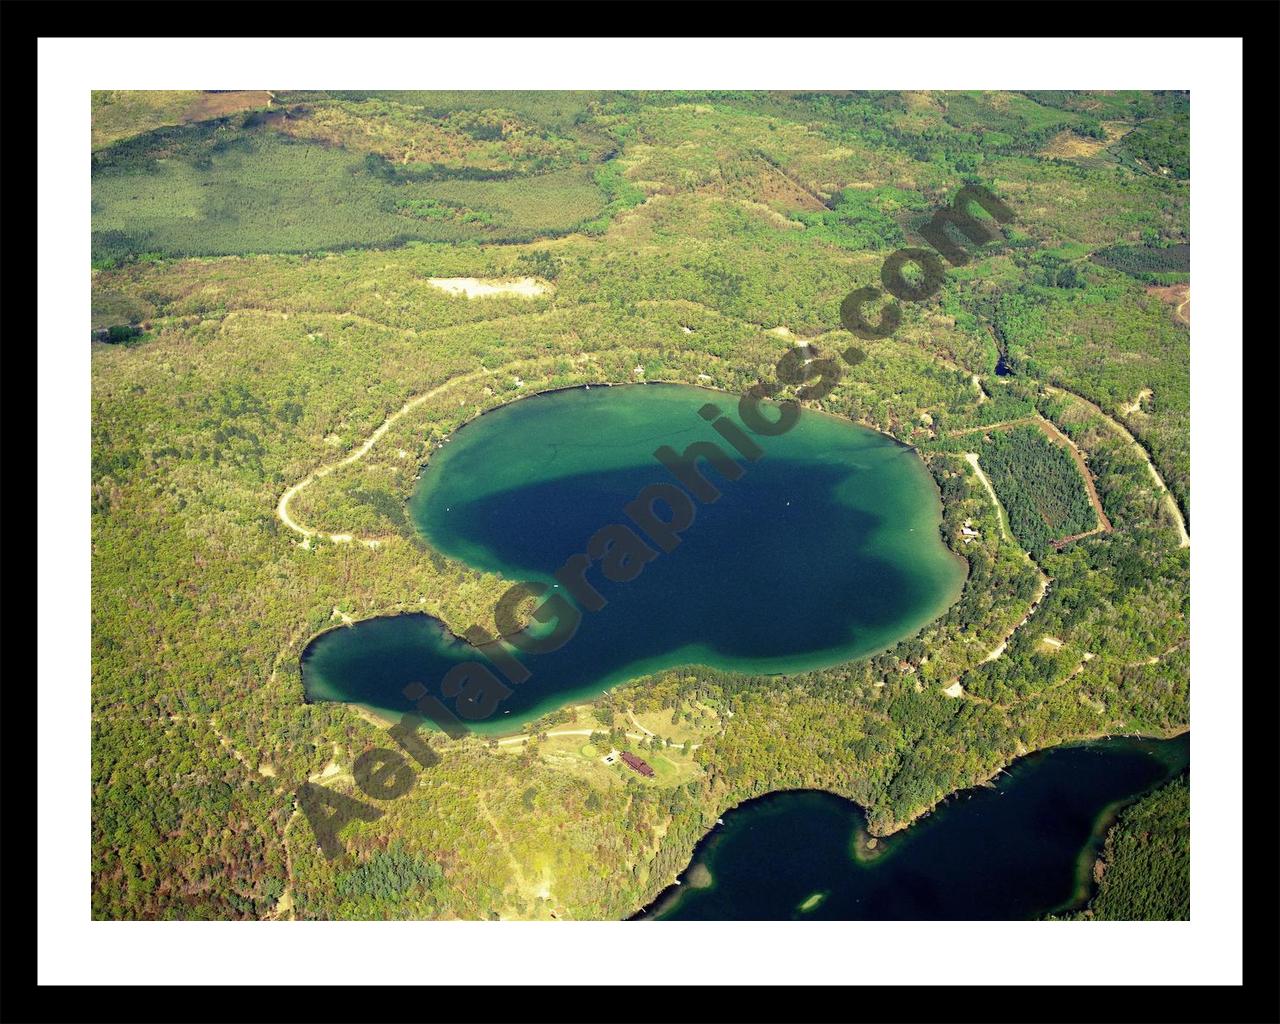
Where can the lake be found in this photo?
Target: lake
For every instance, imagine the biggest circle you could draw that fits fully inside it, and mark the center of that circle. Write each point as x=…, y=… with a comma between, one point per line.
x=826, y=549
x=1018, y=851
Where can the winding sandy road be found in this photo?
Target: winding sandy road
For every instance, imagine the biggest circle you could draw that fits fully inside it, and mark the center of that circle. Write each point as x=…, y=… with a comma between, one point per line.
x=1077, y=456
x=1184, y=538
x=525, y=737
x=999, y=649
x=282, y=508
x=972, y=459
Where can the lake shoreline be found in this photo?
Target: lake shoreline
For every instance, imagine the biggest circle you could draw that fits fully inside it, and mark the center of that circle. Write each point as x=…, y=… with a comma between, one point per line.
x=1083, y=886
x=827, y=656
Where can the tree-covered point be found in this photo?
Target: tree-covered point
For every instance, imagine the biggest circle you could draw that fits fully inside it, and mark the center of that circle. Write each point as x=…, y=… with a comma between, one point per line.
x=1144, y=873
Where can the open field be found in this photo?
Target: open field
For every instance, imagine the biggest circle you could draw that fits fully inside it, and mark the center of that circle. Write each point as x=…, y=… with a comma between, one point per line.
x=121, y=114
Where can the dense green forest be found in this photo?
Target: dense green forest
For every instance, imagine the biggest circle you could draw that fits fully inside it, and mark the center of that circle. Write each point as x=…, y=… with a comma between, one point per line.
x=272, y=274
x=1154, y=264
x=1163, y=145
x=1038, y=486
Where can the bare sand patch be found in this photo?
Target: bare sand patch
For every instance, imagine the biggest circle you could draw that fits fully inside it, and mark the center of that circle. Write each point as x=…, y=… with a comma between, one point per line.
x=1067, y=144
x=954, y=690
x=330, y=770
x=481, y=288
x=219, y=104
x=1136, y=404
x=1178, y=296
x=1116, y=129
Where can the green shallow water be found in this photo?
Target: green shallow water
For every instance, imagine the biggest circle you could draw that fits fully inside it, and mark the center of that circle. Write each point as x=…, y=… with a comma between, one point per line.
x=827, y=549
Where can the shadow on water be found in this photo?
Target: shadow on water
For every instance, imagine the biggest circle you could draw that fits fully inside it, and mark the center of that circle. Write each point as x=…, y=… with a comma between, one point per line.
x=826, y=549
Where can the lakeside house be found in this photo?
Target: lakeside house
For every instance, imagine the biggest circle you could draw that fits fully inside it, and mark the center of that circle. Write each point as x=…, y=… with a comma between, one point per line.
x=637, y=764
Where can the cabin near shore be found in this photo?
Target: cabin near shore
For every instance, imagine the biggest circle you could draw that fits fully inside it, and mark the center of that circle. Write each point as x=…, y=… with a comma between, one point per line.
x=637, y=764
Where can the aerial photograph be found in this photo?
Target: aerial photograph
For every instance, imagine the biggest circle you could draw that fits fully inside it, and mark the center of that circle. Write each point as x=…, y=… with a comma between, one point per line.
x=640, y=506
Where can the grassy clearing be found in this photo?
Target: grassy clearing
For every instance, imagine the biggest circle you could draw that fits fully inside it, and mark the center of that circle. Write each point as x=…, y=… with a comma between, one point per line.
x=121, y=114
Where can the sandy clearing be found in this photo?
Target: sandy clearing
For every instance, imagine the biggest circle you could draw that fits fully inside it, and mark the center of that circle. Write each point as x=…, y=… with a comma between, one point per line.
x=1116, y=130
x=481, y=288
x=1176, y=295
x=330, y=770
x=1067, y=144
x=1136, y=404
x=265, y=769
x=284, y=905
x=954, y=690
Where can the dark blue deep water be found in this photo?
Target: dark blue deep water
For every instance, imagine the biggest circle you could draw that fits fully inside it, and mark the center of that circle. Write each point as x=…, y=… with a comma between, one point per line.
x=825, y=550
x=1019, y=851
